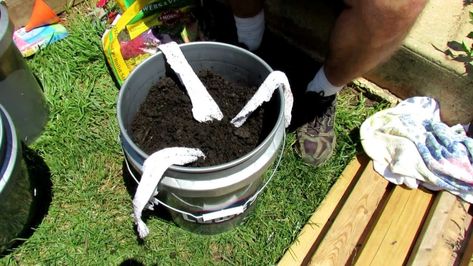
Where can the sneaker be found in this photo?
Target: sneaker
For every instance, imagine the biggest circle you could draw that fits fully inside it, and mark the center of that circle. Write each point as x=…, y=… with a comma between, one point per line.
x=316, y=139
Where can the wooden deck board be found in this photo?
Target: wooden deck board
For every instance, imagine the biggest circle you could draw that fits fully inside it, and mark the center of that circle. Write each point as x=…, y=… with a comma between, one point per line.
x=364, y=220
x=366, y=255
x=467, y=258
x=392, y=236
x=337, y=246
x=309, y=234
x=445, y=229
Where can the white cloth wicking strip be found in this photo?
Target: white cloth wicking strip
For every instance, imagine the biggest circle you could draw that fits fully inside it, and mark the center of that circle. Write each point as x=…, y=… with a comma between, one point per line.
x=204, y=108
x=153, y=169
x=263, y=94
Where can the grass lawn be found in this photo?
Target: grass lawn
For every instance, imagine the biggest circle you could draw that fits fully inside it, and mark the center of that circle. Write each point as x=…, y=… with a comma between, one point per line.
x=88, y=219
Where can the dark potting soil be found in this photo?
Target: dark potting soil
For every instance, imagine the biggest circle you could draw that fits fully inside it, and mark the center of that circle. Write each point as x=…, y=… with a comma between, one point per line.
x=165, y=120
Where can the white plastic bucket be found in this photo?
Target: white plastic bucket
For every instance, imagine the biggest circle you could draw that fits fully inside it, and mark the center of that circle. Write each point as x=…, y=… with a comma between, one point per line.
x=216, y=198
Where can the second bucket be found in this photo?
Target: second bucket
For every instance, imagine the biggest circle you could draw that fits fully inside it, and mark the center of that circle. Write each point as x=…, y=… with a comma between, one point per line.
x=20, y=92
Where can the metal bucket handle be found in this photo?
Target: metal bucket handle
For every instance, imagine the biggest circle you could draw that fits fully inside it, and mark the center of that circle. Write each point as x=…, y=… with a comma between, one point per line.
x=224, y=212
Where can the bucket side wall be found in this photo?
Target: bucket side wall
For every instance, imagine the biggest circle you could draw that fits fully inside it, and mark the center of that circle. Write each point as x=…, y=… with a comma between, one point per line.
x=15, y=203
x=20, y=91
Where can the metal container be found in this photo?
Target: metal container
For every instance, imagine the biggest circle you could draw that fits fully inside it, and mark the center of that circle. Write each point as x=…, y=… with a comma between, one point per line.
x=191, y=191
x=20, y=92
x=16, y=191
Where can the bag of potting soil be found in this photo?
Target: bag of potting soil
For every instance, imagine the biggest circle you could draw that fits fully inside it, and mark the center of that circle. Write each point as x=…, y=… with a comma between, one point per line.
x=142, y=27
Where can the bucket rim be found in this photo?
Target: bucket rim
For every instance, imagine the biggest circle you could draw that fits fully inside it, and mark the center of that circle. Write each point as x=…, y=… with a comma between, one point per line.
x=188, y=169
x=9, y=161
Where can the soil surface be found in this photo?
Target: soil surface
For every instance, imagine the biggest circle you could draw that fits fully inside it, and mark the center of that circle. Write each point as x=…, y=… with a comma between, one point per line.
x=165, y=120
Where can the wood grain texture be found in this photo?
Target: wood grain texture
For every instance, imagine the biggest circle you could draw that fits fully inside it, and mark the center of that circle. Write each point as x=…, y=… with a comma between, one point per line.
x=458, y=233
x=394, y=234
x=347, y=228
x=467, y=258
x=307, y=238
x=366, y=221
x=445, y=229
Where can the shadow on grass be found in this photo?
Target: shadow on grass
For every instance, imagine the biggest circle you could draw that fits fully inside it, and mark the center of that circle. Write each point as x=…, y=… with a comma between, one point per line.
x=355, y=137
x=131, y=262
x=131, y=185
x=40, y=177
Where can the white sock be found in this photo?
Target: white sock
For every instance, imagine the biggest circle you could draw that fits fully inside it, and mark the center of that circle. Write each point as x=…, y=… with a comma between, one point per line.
x=250, y=30
x=321, y=83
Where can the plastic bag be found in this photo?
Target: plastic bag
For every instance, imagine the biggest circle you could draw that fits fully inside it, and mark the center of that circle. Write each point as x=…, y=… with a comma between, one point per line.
x=143, y=26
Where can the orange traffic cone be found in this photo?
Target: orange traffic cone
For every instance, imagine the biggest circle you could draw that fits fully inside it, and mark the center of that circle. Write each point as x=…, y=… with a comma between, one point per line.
x=42, y=15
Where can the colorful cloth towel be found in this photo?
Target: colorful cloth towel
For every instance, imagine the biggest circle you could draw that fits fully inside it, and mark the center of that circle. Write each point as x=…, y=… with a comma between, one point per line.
x=31, y=42
x=410, y=145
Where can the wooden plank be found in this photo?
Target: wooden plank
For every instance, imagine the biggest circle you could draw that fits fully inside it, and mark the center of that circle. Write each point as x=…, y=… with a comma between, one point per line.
x=467, y=258
x=301, y=248
x=395, y=232
x=459, y=231
x=340, y=242
x=398, y=198
x=20, y=10
x=445, y=229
